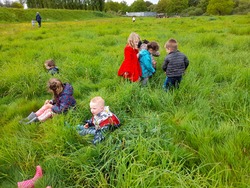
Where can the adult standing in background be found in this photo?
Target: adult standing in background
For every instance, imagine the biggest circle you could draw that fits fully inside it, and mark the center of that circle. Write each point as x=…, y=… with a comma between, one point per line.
x=38, y=19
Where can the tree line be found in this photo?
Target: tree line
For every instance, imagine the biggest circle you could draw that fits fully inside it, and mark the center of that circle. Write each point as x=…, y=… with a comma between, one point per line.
x=169, y=7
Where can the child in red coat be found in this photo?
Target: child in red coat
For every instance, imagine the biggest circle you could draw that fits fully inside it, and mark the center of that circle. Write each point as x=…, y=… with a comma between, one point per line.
x=130, y=68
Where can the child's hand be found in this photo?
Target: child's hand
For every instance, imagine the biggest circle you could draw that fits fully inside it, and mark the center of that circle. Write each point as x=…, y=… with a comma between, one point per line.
x=86, y=126
x=47, y=102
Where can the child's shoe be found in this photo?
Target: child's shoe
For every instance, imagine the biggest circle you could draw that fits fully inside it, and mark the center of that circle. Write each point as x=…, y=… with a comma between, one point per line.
x=30, y=117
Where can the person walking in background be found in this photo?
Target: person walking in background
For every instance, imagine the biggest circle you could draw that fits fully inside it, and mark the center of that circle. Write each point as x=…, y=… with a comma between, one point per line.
x=175, y=64
x=146, y=61
x=130, y=67
x=39, y=19
x=62, y=102
x=51, y=67
x=133, y=19
x=102, y=120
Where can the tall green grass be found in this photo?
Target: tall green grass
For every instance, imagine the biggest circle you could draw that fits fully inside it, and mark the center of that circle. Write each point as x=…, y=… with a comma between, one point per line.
x=196, y=136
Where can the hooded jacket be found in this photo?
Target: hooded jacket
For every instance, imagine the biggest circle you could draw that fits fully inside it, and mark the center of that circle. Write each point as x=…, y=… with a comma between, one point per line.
x=146, y=63
x=65, y=100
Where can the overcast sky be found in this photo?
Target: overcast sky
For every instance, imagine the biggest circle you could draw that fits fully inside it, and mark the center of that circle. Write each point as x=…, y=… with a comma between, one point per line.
x=129, y=2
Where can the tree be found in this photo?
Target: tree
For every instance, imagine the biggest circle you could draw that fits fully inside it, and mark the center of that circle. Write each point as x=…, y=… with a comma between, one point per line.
x=220, y=7
x=203, y=5
x=16, y=5
x=138, y=6
x=161, y=6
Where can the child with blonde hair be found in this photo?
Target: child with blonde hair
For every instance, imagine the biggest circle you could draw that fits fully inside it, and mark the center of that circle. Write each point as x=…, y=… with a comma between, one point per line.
x=102, y=120
x=130, y=67
x=62, y=102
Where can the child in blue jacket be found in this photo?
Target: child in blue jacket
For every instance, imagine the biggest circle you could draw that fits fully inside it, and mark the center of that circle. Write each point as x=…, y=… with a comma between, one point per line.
x=146, y=61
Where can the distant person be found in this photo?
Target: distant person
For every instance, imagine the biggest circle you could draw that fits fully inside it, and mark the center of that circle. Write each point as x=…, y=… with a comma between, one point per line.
x=102, y=120
x=51, y=67
x=39, y=19
x=33, y=22
x=175, y=64
x=133, y=19
x=130, y=67
x=145, y=58
x=62, y=102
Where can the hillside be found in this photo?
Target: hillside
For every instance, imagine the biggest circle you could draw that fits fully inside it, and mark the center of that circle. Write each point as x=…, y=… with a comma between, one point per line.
x=8, y=15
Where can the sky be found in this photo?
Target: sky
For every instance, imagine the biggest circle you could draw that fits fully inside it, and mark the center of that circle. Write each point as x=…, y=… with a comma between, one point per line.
x=129, y=2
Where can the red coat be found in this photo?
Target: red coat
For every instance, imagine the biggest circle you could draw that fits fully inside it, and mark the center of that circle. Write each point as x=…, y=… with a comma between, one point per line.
x=131, y=64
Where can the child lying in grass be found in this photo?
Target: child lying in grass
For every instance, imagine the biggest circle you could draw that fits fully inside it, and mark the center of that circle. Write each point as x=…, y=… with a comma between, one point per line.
x=51, y=67
x=62, y=102
x=101, y=121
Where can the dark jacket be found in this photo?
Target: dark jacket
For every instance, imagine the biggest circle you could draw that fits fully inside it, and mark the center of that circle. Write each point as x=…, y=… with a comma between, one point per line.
x=38, y=17
x=175, y=64
x=65, y=100
x=53, y=70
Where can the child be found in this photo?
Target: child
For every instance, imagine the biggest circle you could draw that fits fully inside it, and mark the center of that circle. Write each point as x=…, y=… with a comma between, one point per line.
x=100, y=122
x=130, y=68
x=33, y=22
x=62, y=102
x=146, y=61
x=143, y=45
x=51, y=67
x=174, y=65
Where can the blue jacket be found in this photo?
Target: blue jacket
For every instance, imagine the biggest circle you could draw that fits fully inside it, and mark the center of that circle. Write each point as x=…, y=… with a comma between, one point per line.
x=65, y=100
x=146, y=63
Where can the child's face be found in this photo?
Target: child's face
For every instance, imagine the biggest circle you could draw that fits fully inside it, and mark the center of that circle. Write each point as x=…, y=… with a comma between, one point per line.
x=96, y=108
x=168, y=50
x=151, y=51
x=46, y=66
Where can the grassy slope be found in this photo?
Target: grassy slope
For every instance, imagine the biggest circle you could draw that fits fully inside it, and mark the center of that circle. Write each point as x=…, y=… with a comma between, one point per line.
x=8, y=15
x=196, y=136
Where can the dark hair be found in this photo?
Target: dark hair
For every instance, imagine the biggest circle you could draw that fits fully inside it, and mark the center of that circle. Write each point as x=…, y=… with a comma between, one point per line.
x=153, y=45
x=142, y=42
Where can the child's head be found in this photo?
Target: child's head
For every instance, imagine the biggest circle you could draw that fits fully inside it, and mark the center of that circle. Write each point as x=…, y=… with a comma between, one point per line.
x=133, y=40
x=153, y=47
x=96, y=105
x=49, y=64
x=171, y=45
x=55, y=86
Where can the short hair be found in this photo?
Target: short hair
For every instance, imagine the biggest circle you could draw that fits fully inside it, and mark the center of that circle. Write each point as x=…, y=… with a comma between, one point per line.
x=50, y=63
x=132, y=38
x=153, y=45
x=98, y=100
x=172, y=44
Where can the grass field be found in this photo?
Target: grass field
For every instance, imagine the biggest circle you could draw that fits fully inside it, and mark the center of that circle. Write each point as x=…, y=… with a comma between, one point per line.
x=196, y=136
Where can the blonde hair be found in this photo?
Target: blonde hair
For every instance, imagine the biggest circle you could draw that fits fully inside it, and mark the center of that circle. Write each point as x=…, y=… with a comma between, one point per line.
x=171, y=44
x=99, y=100
x=55, y=86
x=133, y=40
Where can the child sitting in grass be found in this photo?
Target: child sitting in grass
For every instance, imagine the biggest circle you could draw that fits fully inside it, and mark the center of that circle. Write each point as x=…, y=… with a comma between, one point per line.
x=62, y=102
x=174, y=65
x=51, y=67
x=102, y=120
x=146, y=61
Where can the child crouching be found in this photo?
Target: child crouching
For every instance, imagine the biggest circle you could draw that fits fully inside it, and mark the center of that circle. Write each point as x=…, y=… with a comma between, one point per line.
x=102, y=120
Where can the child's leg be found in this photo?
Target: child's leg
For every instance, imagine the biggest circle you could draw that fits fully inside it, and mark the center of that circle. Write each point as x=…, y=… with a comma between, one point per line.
x=43, y=109
x=47, y=114
x=99, y=135
x=144, y=81
x=83, y=131
x=31, y=182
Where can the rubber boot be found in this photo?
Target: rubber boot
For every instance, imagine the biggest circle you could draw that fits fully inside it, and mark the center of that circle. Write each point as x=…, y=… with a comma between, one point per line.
x=30, y=117
x=35, y=119
x=31, y=182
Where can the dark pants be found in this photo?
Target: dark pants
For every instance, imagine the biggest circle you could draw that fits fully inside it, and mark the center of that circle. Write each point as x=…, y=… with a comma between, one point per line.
x=171, y=82
x=39, y=23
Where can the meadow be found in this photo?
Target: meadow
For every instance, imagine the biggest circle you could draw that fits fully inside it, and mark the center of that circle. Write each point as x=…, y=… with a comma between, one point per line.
x=195, y=136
